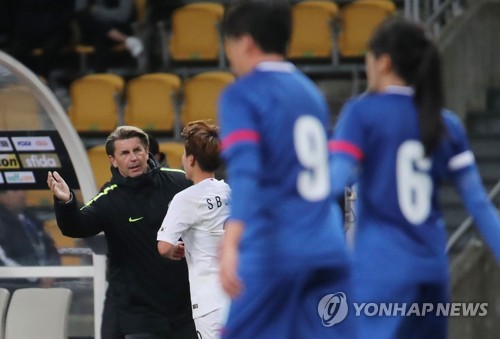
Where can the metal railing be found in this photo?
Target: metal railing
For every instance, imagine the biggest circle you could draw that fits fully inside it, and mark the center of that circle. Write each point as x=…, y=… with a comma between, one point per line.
x=434, y=14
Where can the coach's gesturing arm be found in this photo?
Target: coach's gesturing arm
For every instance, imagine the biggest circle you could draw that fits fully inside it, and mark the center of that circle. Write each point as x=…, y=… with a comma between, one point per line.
x=72, y=221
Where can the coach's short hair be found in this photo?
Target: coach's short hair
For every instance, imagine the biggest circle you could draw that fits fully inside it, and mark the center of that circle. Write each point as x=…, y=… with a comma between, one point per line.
x=123, y=133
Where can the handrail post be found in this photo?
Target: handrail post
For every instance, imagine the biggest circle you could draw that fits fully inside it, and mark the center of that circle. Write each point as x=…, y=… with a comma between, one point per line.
x=467, y=223
x=100, y=285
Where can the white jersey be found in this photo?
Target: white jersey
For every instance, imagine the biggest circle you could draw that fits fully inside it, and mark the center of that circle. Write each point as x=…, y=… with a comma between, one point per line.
x=197, y=215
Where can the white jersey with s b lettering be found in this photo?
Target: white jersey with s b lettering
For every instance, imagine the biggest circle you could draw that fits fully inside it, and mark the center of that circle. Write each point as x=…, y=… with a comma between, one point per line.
x=197, y=215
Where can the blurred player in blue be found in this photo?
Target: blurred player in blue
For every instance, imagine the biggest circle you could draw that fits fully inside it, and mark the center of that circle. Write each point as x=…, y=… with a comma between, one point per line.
x=401, y=144
x=284, y=247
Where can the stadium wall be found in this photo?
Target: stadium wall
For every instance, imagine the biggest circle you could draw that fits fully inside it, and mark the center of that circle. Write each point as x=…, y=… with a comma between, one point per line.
x=470, y=49
x=475, y=277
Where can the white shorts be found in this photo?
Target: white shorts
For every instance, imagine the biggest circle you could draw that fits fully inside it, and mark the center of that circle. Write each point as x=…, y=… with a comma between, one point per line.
x=210, y=325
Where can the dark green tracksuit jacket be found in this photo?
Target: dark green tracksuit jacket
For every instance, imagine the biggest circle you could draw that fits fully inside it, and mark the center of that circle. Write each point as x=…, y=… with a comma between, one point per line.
x=150, y=293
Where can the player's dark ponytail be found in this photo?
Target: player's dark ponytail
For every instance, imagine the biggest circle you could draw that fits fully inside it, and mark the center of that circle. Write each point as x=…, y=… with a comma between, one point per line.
x=416, y=60
x=429, y=97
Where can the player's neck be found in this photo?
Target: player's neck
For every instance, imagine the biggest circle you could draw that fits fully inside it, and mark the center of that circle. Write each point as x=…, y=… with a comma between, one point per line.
x=263, y=57
x=390, y=80
x=200, y=176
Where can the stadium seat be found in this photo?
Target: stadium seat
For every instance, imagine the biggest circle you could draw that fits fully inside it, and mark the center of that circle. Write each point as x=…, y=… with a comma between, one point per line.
x=195, y=34
x=312, y=30
x=4, y=302
x=141, y=10
x=39, y=198
x=62, y=242
x=173, y=151
x=18, y=109
x=201, y=93
x=83, y=50
x=151, y=102
x=359, y=19
x=95, y=102
x=99, y=161
x=38, y=313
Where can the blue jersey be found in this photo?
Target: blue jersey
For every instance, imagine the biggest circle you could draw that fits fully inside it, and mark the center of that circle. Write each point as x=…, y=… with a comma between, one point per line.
x=400, y=226
x=273, y=124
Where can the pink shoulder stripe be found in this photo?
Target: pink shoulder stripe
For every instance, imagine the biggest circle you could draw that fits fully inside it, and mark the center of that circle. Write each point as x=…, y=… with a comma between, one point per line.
x=242, y=135
x=345, y=147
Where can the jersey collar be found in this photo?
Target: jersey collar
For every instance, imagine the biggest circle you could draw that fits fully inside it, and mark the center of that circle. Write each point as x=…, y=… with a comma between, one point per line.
x=275, y=66
x=401, y=90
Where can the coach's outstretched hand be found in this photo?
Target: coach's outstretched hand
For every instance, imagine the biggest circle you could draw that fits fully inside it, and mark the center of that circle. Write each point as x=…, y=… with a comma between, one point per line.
x=58, y=186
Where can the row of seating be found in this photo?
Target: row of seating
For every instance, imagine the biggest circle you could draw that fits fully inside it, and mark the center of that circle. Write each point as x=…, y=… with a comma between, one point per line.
x=323, y=30
x=152, y=100
x=195, y=33
x=35, y=313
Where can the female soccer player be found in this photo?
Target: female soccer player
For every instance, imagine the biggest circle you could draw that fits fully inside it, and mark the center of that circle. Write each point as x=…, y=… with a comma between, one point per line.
x=401, y=144
x=284, y=248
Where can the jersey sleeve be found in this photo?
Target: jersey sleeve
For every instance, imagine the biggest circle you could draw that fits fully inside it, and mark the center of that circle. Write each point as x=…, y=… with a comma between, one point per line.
x=346, y=149
x=460, y=155
x=466, y=179
x=240, y=149
x=349, y=136
x=485, y=215
x=180, y=216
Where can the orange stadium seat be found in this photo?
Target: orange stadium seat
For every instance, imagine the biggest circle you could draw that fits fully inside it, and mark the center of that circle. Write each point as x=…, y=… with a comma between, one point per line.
x=99, y=161
x=195, y=33
x=359, y=19
x=84, y=50
x=201, y=94
x=95, y=102
x=312, y=30
x=173, y=151
x=141, y=10
x=151, y=101
x=39, y=198
x=19, y=109
x=61, y=241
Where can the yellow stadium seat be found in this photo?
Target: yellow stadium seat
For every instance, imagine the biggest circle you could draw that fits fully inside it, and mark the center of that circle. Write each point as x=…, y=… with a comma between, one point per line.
x=141, y=9
x=84, y=50
x=61, y=241
x=195, y=33
x=95, y=102
x=99, y=161
x=201, y=94
x=359, y=19
x=39, y=198
x=312, y=30
x=173, y=151
x=19, y=109
x=151, y=103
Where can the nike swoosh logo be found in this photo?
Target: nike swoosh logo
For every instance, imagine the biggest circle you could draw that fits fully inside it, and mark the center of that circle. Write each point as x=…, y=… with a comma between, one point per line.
x=130, y=219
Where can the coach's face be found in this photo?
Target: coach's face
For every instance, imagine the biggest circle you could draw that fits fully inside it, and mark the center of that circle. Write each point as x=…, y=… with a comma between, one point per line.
x=130, y=157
